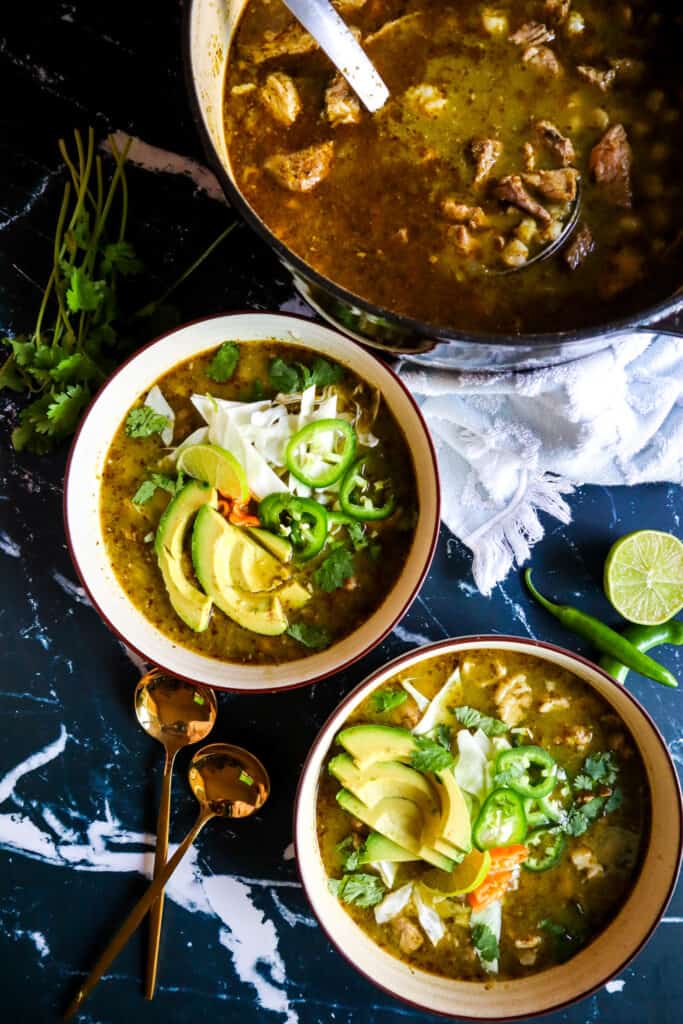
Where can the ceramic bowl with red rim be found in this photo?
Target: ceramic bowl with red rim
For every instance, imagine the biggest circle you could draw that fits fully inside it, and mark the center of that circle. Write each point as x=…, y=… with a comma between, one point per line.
x=548, y=990
x=82, y=500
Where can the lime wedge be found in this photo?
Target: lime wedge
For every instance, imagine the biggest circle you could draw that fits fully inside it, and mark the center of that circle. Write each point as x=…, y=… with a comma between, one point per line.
x=465, y=876
x=644, y=576
x=215, y=466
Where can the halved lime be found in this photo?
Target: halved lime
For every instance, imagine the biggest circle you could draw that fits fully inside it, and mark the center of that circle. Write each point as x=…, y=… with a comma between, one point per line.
x=644, y=576
x=216, y=466
x=465, y=876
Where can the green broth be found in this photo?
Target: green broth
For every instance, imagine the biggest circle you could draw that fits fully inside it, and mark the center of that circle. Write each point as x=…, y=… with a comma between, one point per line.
x=564, y=894
x=375, y=224
x=126, y=526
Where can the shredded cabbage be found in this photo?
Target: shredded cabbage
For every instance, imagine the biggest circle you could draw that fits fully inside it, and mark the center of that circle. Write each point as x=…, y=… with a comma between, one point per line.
x=492, y=917
x=429, y=919
x=419, y=698
x=392, y=905
x=387, y=870
x=438, y=710
x=471, y=768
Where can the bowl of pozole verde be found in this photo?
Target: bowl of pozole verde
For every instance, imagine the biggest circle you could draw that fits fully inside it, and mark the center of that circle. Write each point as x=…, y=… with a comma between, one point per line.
x=489, y=827
x=252, y=501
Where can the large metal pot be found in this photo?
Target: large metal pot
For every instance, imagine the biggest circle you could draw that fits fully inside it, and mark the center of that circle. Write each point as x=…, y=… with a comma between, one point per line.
x=208, y=30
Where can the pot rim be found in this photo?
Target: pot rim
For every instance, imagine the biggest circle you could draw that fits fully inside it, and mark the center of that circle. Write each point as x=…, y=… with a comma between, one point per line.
x=405, y=324
x=454, y=643
x=334, y=668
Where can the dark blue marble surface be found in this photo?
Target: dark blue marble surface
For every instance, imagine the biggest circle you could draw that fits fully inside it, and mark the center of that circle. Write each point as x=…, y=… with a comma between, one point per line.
x=78, y=778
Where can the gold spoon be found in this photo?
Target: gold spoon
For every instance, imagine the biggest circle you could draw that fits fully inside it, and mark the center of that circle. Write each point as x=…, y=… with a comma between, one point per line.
x=176, y=713
x=228, y=782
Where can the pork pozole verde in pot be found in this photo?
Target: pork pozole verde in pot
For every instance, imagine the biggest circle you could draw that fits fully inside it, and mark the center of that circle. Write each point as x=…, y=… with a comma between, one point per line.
x=249, y=499
x=483, y=815
x=498, y=112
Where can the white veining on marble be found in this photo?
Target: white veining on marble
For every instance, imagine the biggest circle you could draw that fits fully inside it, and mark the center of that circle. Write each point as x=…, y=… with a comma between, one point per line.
x=71, y=589
x=288, y=852
x=408, y=637
x=38, y=940
x=615, y=986
x=151, y=158
x=8, y=546
x=104, y=845
x=33, y=198
x=518, y=612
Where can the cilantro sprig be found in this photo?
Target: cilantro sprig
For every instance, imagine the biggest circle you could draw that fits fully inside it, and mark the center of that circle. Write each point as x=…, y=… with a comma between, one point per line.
x=288, y=378
x=485, y=942
x=473, y=719
x=388, y=698
x=83, y=329
x=337, y=568
x=144, y=422
x=359, y=889
x=310, y=635
x=430, y=756
x=224, y=363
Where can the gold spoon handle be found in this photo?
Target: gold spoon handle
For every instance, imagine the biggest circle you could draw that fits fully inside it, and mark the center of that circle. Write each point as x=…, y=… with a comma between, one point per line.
x=157, y=912
x=136, y=915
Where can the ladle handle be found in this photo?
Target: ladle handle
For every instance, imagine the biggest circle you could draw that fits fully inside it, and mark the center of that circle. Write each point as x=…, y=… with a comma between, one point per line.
x=156, y=914
x=136, y=915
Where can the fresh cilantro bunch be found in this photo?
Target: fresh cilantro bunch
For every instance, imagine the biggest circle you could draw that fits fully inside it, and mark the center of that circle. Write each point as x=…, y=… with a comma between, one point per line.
x=81, y=332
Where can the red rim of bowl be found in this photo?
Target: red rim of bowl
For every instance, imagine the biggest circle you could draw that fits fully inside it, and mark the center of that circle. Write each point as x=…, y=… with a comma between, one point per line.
x=482, y=640
x=422, y=575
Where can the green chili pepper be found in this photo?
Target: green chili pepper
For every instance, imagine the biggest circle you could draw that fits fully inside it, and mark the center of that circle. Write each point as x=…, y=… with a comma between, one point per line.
x=530, y=771
x=535, y=815
x=546, y=846
x=643, y=637
x=603, y=637
x=501, y=821
x=331, y=464
x=358, y=494
x=301, y=520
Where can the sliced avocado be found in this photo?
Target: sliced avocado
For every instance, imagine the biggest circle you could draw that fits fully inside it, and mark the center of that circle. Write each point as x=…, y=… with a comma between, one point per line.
x=399, y=820
x=294, y=595
x=377, y=847
x=251, y=566
x=448, y=850
x=213, y=541
x=455, y=826
x=370, y=743
x=173, y=523
x=386, y=779
x=278, y=546
x=193, y=607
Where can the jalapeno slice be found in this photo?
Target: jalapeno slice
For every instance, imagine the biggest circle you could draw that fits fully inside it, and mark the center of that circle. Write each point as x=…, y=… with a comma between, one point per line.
x=501, y=821
x=314, y=455
x=546, y=846
x=530, y=771
x=359, y=493
x=301, y=520
x=535, y=813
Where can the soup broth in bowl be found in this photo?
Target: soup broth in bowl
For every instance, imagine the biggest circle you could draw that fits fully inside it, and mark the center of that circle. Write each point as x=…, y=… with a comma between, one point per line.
x=252, y=501
x=486, y=834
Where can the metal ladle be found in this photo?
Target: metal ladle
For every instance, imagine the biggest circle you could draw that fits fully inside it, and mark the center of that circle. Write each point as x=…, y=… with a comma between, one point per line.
x=177, y=714
x=553, y=246
x=336, y=39
x=228, y=782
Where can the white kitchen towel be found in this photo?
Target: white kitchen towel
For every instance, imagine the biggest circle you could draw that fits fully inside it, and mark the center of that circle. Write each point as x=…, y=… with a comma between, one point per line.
x=513, y=444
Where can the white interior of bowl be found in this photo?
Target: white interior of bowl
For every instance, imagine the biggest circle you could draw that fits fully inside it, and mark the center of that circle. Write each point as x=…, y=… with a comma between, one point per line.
x=83, y=486
x=548, y=989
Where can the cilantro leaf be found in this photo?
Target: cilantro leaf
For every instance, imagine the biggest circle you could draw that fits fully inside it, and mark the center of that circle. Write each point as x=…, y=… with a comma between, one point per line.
x=388, y=698
x=442, y=735
x=284, y=377
x=430, y=756
x=324, y=373
x=601, y=767
x=143, y=422
x=84, y=294
x=145, y=491
x=583, y=782
x=359, y=889
x=288, y=378
x=76, y=367
x=309, y=635
x=337, y=568
x=65, y=408
x=224, y=363
x=485, y=942
x=10, y=376
x=614, y=801
x=349, y=853
x=473, y=719
x=120, y=256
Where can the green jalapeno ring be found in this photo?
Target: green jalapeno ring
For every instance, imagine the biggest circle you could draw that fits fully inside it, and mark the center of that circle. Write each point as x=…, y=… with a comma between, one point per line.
x=515, y=765
x=341, y=460
x=301, y=520
x=367, y=512
x=536, y=815
x=501, y=820
x=552, y=843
